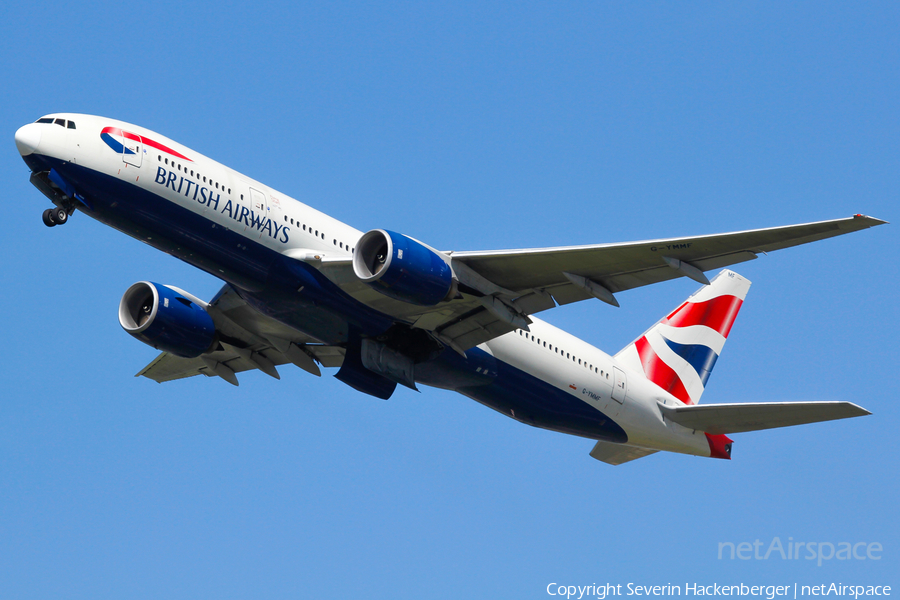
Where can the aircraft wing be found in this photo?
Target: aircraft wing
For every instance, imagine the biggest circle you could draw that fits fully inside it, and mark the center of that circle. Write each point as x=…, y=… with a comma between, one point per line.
x=737, y=418
x=500, y=288
x=168, y=367
x=619, y=267
x=248, y=340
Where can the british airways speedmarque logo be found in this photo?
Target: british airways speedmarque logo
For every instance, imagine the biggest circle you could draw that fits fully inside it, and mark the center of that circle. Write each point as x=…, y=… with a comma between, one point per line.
x=115, y=139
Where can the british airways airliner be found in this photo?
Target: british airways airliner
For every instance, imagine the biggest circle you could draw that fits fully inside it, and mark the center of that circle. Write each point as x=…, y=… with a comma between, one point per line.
x=386, y=309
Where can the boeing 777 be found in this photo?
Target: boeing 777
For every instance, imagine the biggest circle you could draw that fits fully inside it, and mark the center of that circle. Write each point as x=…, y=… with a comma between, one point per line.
x=385, y=309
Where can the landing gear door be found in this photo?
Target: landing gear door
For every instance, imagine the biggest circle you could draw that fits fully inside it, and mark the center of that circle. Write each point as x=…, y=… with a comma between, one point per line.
x=132, y=148
x=620, y=385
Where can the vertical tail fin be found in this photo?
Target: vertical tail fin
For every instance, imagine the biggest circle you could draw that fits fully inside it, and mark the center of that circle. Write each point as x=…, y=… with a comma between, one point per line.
x=679, y=352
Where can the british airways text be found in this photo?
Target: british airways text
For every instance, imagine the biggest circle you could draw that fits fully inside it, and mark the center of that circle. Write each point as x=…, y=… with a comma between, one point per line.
x=207, y=197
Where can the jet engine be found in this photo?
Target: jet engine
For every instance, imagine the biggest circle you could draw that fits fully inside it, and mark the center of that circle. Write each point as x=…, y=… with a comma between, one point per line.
x=165, y=318
x=403, y=268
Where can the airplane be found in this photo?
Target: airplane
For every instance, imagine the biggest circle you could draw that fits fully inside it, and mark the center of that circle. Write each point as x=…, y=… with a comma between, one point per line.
x=303, y=288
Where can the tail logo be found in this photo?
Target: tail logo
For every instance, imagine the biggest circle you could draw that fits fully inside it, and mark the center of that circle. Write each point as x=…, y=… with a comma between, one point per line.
x=679, y=352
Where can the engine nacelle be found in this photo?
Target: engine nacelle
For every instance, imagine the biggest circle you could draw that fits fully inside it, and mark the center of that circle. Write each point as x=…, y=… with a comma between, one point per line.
x=402, y=268
x=165, y=319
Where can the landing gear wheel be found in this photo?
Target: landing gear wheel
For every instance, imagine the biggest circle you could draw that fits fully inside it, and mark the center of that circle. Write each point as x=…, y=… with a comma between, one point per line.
x=60, y=215
x=48, y=218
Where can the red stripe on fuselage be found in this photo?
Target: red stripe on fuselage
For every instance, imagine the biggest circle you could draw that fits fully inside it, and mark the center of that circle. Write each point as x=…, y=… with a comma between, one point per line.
x=717, y=313
x=659, y=372
x=145, y=140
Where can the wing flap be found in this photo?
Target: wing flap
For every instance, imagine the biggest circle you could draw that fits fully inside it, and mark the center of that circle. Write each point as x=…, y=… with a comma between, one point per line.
x=718, y=419
x=475, y=328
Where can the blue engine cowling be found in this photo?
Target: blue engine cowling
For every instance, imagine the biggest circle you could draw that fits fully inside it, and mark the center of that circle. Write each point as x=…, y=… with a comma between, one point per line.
x=165, y=319
x=402, y=268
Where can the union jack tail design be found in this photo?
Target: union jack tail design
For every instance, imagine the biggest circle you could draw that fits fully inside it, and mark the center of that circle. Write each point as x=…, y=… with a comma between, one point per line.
x=679, y=352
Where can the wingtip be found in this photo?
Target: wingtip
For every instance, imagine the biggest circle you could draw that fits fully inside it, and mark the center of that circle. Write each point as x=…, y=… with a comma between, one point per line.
x=874, y=221
x=855, y=410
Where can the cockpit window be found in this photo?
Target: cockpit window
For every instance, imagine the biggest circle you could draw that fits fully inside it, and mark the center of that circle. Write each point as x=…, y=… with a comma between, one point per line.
x=60, y=122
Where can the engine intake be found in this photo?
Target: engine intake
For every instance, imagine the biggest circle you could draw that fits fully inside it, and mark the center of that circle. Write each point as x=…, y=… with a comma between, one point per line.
x=164, y=318
x=402, y=268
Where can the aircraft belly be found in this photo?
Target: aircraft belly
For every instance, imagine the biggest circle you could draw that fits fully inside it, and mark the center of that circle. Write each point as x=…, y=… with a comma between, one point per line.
x=518, y=394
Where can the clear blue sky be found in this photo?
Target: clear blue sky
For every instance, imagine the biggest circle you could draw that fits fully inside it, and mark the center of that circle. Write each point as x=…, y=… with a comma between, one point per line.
x=469, y=126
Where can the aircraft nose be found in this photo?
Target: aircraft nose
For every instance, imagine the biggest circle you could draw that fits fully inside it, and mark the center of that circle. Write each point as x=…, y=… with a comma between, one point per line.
x=28, y=138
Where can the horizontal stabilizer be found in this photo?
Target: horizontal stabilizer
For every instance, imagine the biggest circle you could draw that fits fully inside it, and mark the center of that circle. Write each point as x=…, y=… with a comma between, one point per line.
x=616, y=454
x=718, y=419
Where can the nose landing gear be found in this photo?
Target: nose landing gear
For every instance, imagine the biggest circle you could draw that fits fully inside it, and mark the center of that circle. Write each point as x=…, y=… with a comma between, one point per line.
x=55, y=216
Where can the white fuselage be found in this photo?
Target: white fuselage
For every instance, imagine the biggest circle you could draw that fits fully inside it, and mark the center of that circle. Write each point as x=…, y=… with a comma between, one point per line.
x=230, y=201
